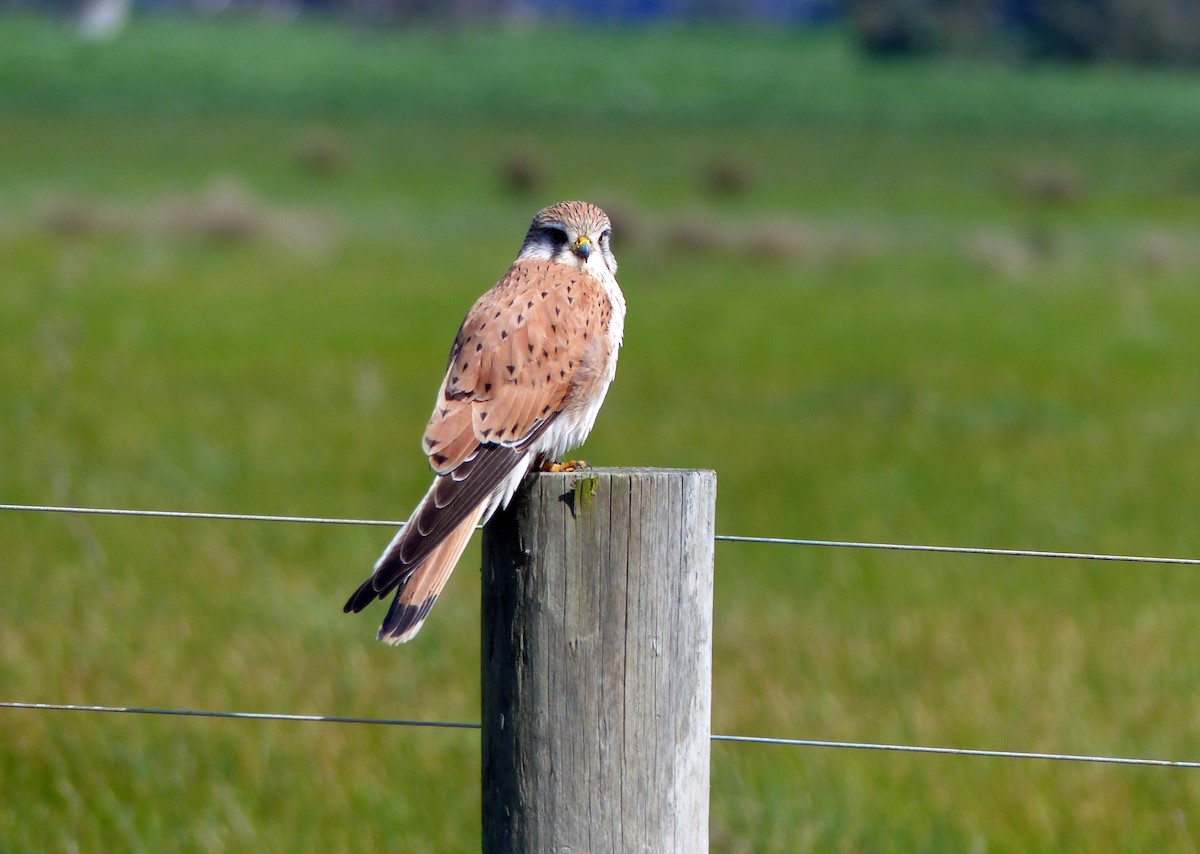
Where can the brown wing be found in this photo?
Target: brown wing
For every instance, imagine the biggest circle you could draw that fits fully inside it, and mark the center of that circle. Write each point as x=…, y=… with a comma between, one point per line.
x=512, y=370
x=514, y=361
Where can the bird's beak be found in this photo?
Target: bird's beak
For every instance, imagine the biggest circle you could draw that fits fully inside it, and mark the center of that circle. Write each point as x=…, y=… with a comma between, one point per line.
x=583, y=247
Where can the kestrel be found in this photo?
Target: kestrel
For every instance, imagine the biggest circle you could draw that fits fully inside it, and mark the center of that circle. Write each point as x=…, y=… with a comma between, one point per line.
x=526, y=377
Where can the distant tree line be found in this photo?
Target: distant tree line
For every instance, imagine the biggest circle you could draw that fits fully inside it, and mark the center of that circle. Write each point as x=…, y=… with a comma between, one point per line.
x=437, y=12
x=1144, y=32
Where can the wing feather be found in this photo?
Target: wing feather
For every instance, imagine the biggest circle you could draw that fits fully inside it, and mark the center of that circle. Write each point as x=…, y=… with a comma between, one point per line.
x=514, y=368
x=512, y=362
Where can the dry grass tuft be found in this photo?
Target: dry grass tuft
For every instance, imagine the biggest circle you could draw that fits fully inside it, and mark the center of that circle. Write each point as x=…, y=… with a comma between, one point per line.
x=305, y=232
x=780, y=240
x=1002, y=253
x=524, y=173
x=229, y=213
x=772, y=240
x=225, y=213
x=1049, y=184
x=628, y=223
x=323, y=152
x=730, y=177
x=696, y=235
x=71, y=216
x=1164, y=252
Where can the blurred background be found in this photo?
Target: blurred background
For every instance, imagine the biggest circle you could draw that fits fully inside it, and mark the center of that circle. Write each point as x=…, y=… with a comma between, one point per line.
x=915, y=271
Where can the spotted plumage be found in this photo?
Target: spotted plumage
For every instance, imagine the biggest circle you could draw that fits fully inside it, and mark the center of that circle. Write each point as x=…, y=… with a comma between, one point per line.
x=525, y=379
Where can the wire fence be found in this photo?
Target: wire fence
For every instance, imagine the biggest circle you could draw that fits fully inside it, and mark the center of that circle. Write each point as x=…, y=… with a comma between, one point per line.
x=741, y=739
x=738, y=739
x=725, y=538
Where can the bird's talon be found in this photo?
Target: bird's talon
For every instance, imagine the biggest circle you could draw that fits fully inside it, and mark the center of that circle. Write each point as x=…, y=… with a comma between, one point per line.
x=569, y=465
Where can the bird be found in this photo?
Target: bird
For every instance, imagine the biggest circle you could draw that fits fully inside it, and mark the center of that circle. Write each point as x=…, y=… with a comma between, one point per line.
x=525, y=379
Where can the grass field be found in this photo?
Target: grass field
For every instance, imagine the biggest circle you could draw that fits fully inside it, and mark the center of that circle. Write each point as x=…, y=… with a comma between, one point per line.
x=907, y=303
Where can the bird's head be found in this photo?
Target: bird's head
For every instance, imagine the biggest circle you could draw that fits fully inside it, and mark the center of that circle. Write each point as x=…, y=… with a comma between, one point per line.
x=574, y=233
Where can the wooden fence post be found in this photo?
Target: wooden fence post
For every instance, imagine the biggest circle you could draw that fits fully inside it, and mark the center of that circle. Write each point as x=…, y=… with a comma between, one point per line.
x=597, y=663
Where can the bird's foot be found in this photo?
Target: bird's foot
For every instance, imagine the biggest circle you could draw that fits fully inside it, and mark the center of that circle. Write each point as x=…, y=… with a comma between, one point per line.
x=569, y=465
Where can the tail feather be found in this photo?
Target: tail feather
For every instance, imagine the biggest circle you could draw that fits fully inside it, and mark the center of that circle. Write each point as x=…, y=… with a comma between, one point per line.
x=420, y=558
x=362, y=597
x=418, y=592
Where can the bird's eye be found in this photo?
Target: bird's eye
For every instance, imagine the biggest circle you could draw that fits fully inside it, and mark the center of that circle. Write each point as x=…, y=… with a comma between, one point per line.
x=605, y=235
x=557, y=236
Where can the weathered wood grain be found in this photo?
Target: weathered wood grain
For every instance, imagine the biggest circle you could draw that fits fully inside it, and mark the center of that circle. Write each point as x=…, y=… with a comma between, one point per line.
x=597, y=663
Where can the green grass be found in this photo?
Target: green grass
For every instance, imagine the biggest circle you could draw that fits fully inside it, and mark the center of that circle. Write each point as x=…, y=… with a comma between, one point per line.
x=971, y=321
x=578, y=72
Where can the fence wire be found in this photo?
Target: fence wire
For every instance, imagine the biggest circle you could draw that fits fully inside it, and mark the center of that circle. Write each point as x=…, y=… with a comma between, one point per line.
x=736, y=739
x=726, y=538
x=741, y=739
